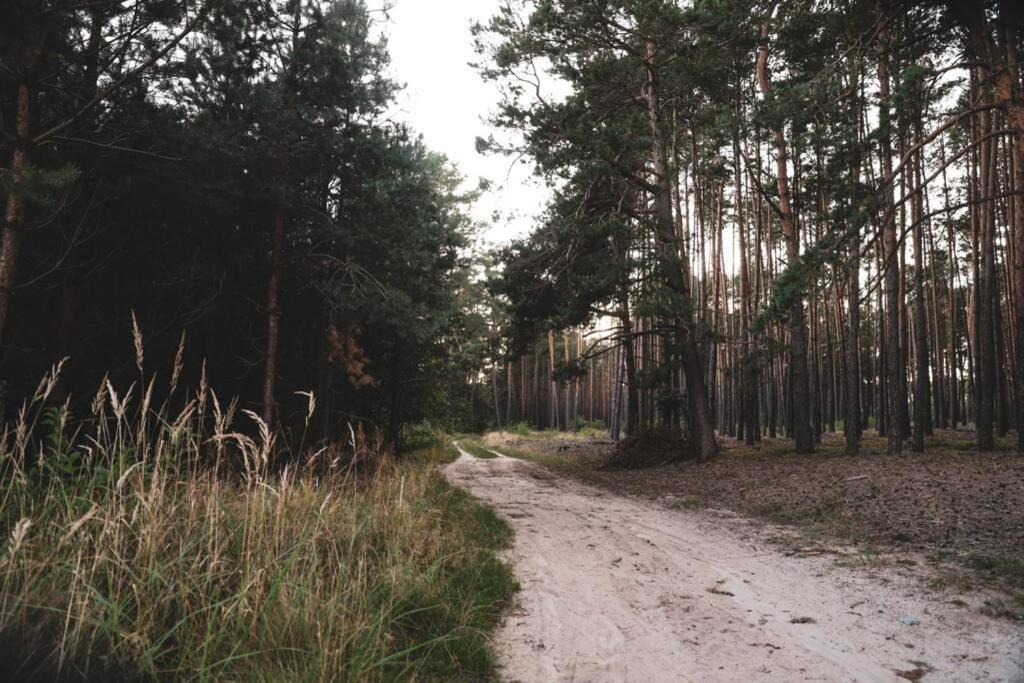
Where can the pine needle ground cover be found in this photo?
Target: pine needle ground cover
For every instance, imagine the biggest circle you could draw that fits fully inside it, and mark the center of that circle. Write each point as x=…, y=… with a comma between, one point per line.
x=144, y=545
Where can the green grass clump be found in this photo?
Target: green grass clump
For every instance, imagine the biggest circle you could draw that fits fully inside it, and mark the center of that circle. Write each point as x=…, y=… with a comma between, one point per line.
x=820, y=519
x=475, y=449
x=583, y=430
x=434, y=455
x=547, y=458
x=1004, y=567
x=153, y=546
x=520, y=429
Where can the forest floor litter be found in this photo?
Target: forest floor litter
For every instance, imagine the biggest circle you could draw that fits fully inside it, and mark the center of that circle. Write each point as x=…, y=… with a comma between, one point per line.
x=628, y=588
x=950, y=504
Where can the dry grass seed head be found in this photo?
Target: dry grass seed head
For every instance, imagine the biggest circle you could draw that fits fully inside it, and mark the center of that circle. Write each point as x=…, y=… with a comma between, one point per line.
x=21, y=430
x=179, y=363
x=137, y=338
x=266, y=438
x=49, y=382
x=18, y=535
x=118, y=405
x=79, y=523
x=100, y=399
x=203, y=388
x=310, y=404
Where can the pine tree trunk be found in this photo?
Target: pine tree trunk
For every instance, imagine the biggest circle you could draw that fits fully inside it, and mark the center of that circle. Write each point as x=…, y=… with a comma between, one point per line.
x=953, y=359
x=616, y=411
x=524, y=410
x=568, y=387
x=273, y=316
x=509, y=393
x=553, y=407
x=893, y=355
x=668, y=253
x=985, y=334
x=1002, y=411
x=537, y=397
x=632, y=387
x=277, y=248
x=748, y=359
x=940, y=389
x=497, y=403
x=800, y=416
x=852, y=419
x=14, y=211
x=921, y=388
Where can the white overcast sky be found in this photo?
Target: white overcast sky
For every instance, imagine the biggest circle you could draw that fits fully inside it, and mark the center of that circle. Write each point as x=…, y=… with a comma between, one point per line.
x=447, y=102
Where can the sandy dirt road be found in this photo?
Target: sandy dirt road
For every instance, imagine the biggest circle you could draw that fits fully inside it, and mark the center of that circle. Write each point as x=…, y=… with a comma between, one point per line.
x=620, y=589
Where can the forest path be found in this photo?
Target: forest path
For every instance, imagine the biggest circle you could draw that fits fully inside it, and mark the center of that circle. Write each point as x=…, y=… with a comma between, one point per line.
x=622, y=589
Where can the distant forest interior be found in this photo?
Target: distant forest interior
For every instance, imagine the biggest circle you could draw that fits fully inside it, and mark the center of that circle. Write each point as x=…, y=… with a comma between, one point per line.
x=787, y=218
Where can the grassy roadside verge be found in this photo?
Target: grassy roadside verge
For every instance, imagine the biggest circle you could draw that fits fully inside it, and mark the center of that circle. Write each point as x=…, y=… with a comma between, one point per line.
x=124, y=558
x=475, y=446
x=471, y=444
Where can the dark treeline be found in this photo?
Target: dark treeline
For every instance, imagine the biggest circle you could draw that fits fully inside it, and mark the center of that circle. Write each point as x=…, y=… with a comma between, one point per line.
x=226, y=173
x=778, y=219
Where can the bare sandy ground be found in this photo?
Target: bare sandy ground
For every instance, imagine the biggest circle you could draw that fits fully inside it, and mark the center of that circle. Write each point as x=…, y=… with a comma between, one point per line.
x=621, y=589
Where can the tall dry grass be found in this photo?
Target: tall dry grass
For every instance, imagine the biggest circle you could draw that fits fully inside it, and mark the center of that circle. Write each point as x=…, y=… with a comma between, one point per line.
x=143, y=543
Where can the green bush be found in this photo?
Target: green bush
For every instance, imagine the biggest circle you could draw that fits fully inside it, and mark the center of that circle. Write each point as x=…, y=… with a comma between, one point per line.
x=423, y=435
x=519, y=429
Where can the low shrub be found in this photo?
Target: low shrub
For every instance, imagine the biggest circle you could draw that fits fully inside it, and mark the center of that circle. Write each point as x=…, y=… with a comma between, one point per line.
x=422, y=436
x=651, y=447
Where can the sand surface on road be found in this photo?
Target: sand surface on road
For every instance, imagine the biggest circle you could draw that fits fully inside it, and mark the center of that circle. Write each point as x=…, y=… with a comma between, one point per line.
x=621, y=589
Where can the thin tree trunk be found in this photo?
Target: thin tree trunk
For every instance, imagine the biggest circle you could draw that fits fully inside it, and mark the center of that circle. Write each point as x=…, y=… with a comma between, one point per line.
x=497, y=403
x=921, y=387
x=509, y=393
x=14, y=211
x=803, y=434
x=273, y=316
x=568, y=386
x=852, y=420
x=985, y=334
x=748, y=359
x=553, y=408
x=616, y=411
x=277, y=247
x=893, y=354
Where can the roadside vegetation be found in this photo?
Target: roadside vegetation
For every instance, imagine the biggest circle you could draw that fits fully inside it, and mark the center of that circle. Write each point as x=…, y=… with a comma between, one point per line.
x=492, y=444
x=144, y=543
x=472, y=445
